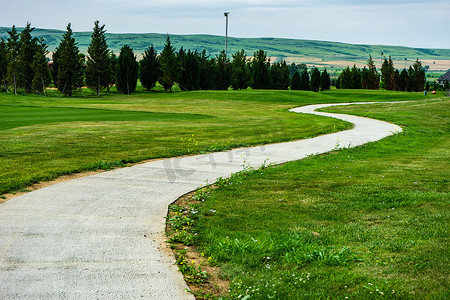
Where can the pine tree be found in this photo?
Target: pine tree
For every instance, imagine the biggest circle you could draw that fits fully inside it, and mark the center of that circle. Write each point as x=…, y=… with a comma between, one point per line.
x=170, y=66
x=127, y=71
x=325, y=81
x=355, y=77
x=3, y=66
x=13, y=48
x=373, y=78
x=98, y=71
x=411, y=79
x=314, y=83
x=189, y=79
x=345, y=79
x=259, y=69
x=295, y=84
x=149, y=68
x=419, y=76
x=403, y=80
x=112, y=70
x=279, y=73
x=69, y=74
x=239, y=71
x=304, y=80
x=387, y=73
x=223, y=71
x=28, y=48
x=41, y=78
x=207, y=71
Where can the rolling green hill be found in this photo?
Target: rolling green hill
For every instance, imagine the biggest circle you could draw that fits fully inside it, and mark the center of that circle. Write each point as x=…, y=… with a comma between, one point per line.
x=307, y=50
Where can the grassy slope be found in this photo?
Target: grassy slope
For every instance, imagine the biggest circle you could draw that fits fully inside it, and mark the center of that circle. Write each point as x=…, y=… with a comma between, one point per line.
x=274, y=46
x=360, y=223
x=116, y=129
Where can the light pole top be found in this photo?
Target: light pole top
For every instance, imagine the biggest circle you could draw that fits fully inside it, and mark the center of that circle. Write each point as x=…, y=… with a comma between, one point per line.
x=226, y=14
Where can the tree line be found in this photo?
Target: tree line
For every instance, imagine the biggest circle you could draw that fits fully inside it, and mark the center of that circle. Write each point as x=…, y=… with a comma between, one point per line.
x=24, y=66
x=411, y=80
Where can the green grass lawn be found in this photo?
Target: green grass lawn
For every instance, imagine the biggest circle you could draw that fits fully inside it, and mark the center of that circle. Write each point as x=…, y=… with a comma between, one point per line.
x=363, y=223
x=45, y=137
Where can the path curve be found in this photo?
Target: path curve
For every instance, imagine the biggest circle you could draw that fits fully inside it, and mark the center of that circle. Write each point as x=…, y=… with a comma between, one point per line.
x=102, y=236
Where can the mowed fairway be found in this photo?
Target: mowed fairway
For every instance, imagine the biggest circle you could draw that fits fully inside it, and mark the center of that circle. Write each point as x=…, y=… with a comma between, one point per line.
x=45, y=137
x=364, y=223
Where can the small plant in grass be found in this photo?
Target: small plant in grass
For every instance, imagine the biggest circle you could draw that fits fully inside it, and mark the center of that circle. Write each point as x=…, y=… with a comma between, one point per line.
x=192, y=273
x=190, y=143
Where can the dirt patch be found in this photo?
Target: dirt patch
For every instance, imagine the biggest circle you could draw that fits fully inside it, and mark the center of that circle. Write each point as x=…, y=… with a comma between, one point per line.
x=215, y=286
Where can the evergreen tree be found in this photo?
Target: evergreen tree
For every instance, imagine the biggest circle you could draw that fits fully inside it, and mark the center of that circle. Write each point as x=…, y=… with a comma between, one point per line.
x=126, y=71
x=207, y=71
x=295, y=85
x=419, y=76
x=325, y=81
x=387, y=73
x=28, y=48
x=223, y=71
x=41, y=78
x=13, y=48
x=365, y=82
x=411, y=79
x=293, y=68
x=280, y=76
x=112, y=67
x=355, y=77
x=149, y=68
x=403, y=81
x=98, y=71
x=239, y=71
x=190, y=72
x=345, y=79
x=304, y=80
x=3, y=66
x=170, y=66
x=259, y=70
x=69, y=74
x=395, y=79
x=373, y=81
x=314, y=83
x=446, y=84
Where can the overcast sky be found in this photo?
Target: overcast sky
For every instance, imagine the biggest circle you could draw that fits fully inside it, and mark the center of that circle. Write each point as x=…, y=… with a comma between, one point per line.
x=414, y=23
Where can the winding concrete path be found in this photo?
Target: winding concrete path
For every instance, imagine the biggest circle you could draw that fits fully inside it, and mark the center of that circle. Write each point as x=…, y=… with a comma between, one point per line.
x=102, y=236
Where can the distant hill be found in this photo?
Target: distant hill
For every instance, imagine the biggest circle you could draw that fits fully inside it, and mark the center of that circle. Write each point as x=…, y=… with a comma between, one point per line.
x=292, y=50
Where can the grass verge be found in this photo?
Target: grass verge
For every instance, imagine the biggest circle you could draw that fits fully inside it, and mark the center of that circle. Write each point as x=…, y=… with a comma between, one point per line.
x=363, y=223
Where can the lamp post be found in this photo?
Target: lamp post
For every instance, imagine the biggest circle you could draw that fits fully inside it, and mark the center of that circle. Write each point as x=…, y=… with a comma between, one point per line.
x=381, y=60
x=226, y=32
x=405, y=62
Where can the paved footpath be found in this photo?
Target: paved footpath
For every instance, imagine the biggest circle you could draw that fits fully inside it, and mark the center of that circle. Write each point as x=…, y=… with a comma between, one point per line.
x=102, y=236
